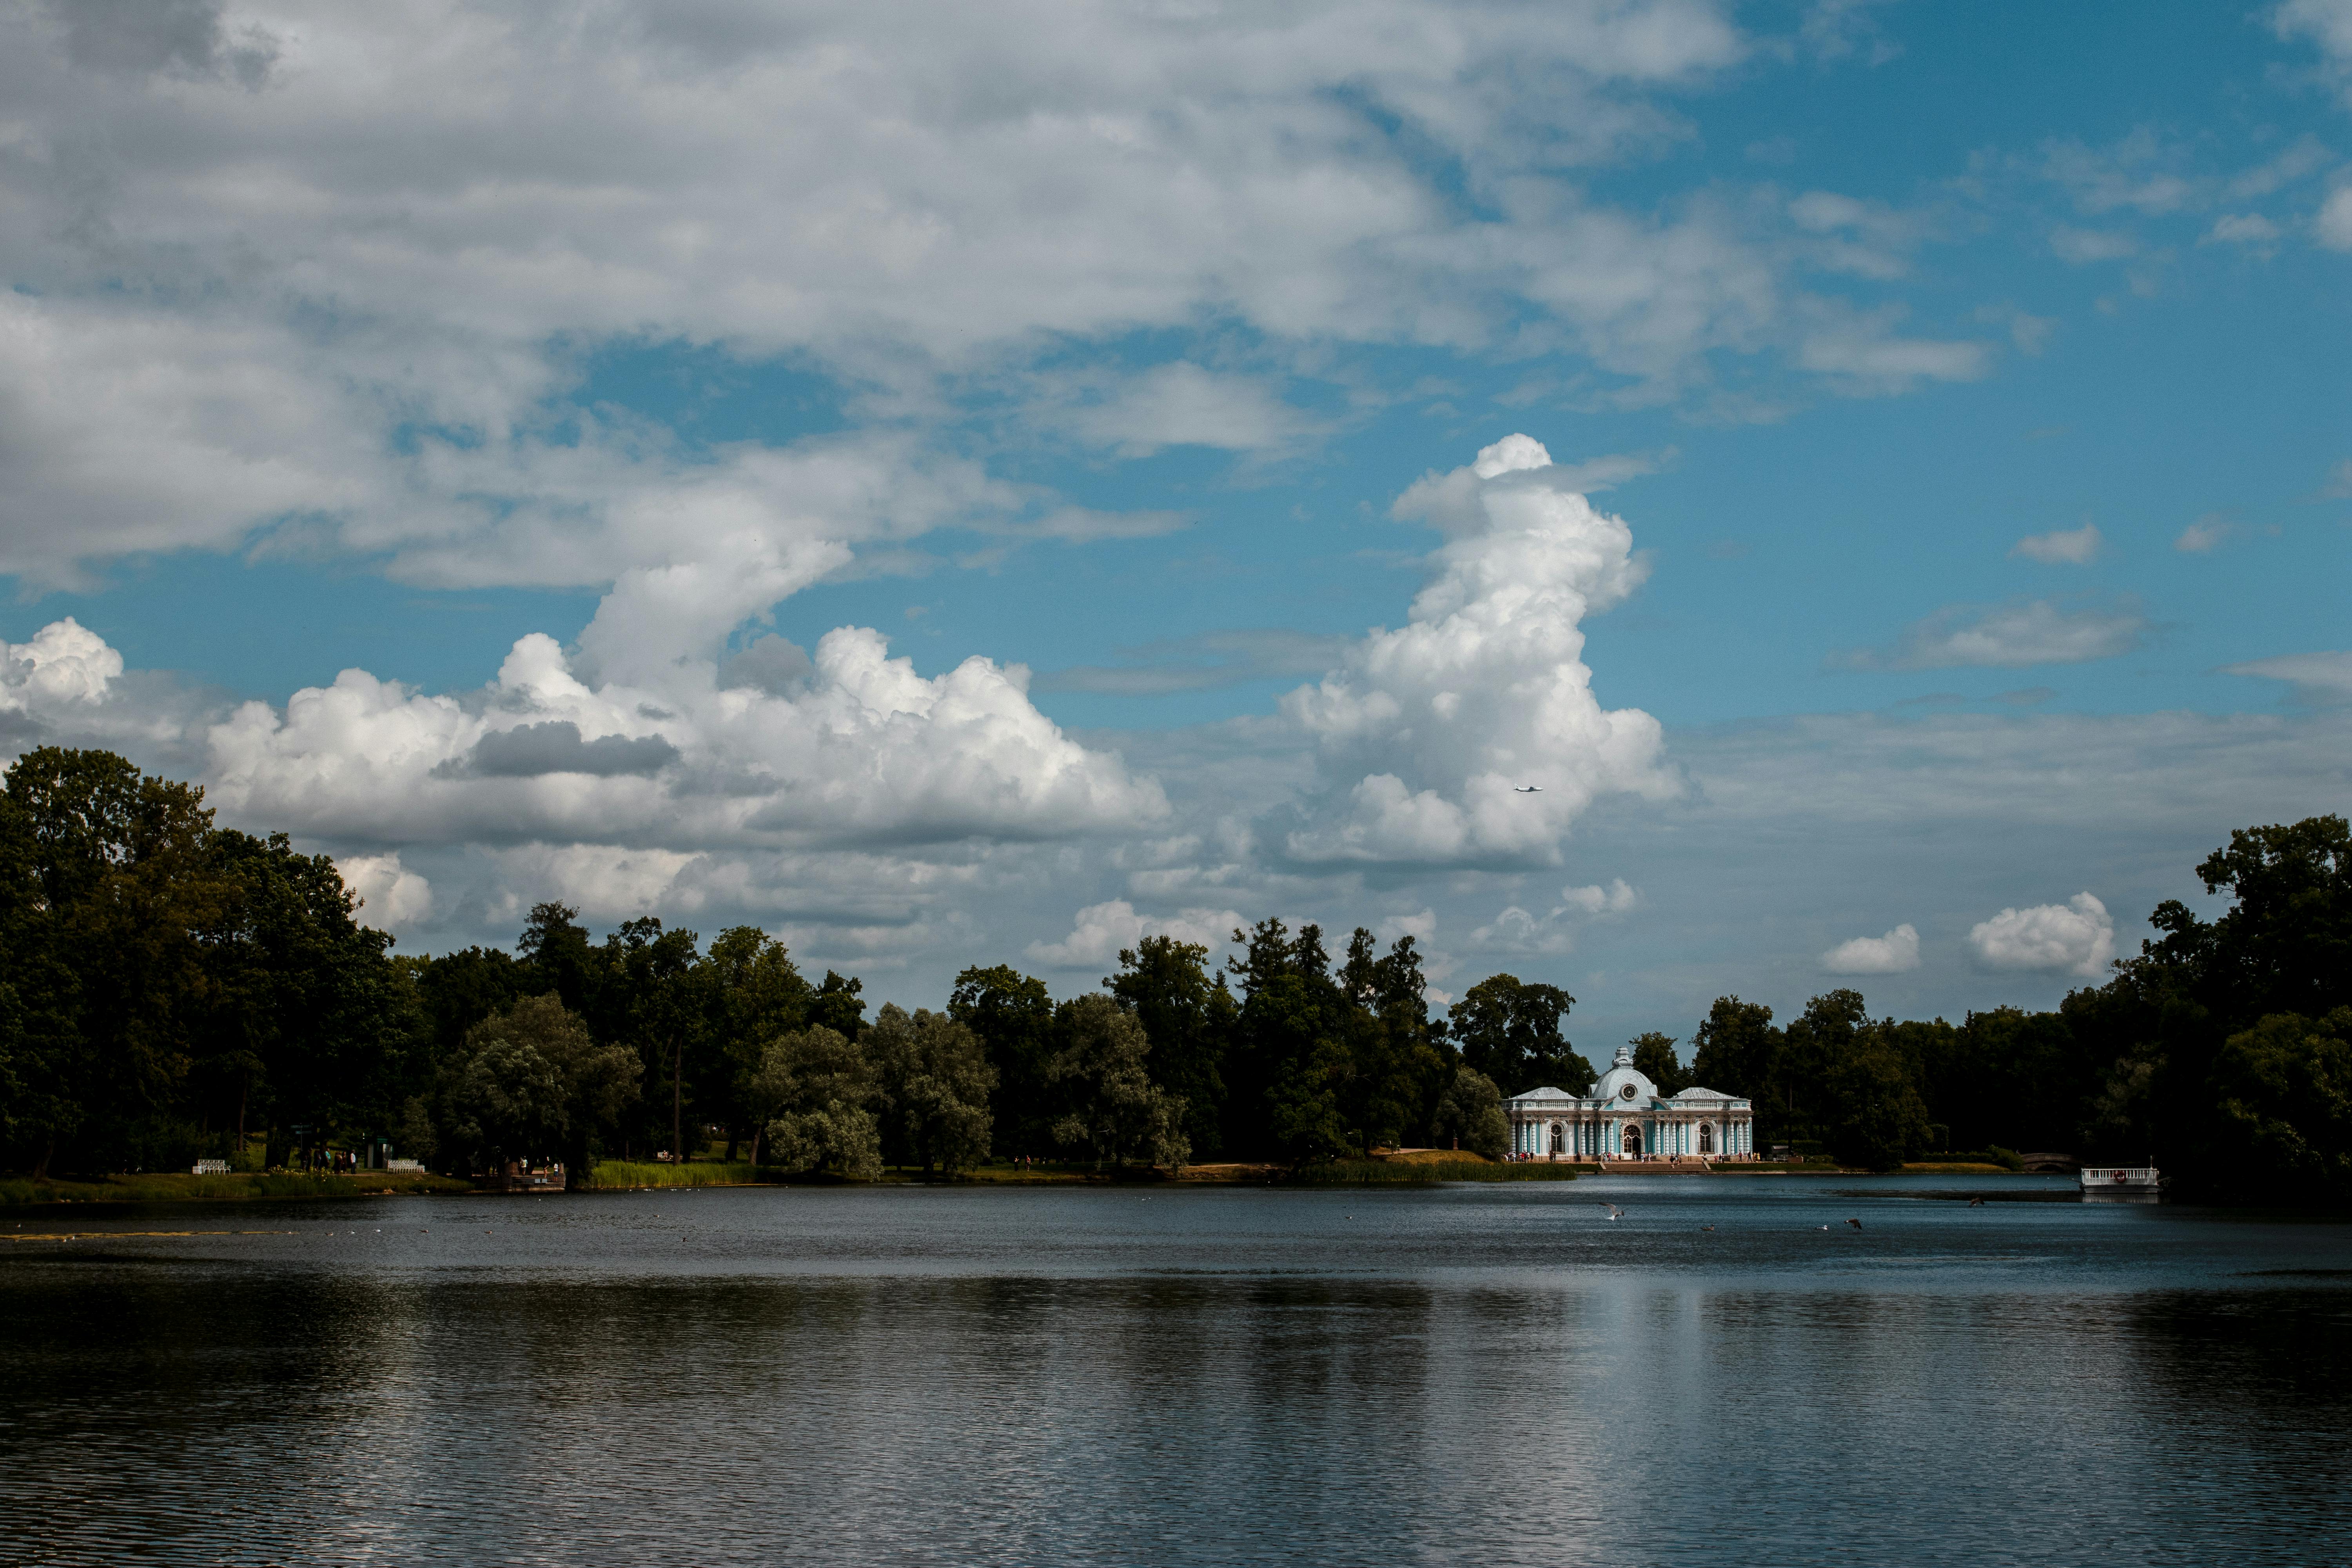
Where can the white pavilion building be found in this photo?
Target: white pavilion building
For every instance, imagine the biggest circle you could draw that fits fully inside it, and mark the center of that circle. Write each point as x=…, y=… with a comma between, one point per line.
x=1625, y=1118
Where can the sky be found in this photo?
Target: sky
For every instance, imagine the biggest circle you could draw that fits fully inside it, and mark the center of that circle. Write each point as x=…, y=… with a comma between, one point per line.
x=954, y=485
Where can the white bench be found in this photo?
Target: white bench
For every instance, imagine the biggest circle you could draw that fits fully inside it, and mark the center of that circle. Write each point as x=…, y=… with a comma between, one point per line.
x=209, y=1168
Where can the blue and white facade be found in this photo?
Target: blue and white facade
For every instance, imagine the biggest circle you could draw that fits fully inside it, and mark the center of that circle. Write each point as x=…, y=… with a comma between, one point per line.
x=1625, y=1118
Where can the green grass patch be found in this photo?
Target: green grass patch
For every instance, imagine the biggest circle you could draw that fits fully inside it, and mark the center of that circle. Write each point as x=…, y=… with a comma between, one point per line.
x=1386, y=1172
x=16, y=1191
x=608, y=1174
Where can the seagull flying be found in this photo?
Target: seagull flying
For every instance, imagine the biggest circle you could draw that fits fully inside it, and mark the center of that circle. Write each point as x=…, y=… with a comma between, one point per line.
x=1528, y=789
x=1614, y=1212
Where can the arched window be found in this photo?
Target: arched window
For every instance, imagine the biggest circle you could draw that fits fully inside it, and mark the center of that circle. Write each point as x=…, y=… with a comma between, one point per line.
x=1632, y=1140
x=1705, y=1139
x=1559, y=1139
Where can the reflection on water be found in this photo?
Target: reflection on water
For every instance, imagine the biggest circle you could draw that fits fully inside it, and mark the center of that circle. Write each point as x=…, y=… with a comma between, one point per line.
x=1215, y=1376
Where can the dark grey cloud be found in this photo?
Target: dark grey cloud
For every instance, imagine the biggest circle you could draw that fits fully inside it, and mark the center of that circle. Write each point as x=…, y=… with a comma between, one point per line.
x=137, y=37
x=556, y=747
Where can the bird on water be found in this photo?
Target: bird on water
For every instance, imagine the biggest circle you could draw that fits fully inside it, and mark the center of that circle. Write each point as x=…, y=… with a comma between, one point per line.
x=1614, y=1212
x=1855, y=1223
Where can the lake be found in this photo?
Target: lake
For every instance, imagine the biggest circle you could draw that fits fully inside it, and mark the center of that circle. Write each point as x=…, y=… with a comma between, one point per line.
x=1473, y=1374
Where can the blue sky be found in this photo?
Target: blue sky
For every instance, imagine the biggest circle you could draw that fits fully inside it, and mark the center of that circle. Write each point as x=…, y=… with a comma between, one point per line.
x=1970, y=381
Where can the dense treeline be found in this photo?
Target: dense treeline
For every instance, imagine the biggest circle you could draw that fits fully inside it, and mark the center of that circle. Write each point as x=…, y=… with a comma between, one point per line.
x=170, y=986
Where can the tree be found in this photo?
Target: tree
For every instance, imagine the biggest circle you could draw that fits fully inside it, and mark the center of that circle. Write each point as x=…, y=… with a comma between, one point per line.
x=1736, y=1050
x=1116, y=1112
x=1188, y=1015
x=1654, y=1058
x=531, y=1081
x=2284, y=1089
x=814, y=1090
x=1470, y=1115
x=1510, y=1030
x=1874, y=1116
x=120, y=886
x=1012, y=1016
x=755, y=995
x=934, y=1084
x=1292, y=1056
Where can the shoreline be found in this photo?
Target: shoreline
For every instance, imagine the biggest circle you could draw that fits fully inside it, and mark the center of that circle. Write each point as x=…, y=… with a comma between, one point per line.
x=24, y=1193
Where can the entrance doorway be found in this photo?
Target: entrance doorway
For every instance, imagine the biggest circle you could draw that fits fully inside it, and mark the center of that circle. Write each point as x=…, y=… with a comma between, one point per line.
x=1559, y=1139
x=1705, y=1139
x=1633, y=1141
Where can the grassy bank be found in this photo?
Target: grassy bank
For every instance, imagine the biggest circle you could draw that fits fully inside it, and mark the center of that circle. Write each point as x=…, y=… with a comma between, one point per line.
x=159, y=1188
x=1373, y=1173
x=610, y=1175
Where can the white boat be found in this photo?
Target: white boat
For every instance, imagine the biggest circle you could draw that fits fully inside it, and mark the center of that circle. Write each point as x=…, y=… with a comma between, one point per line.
x=2113, y=1179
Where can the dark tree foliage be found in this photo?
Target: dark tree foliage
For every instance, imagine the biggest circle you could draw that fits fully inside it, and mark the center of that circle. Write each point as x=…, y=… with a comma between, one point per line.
x=1012, y=1016
x=1188, y=1016
x=1654, y=1058
x=1510, y=1030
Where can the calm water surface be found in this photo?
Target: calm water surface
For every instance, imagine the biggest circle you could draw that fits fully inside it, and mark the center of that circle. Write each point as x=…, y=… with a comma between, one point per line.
x=1462, y=1374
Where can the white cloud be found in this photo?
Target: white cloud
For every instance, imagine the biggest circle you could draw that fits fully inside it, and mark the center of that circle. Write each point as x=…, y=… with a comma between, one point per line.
x=2327, y=23
x=2078, y=936
x=1516, y=930
x=65, y=665
x=1182, y=404
x=1440, y=723
x=2334, y=223
x=1894, y=953
x=2242, y=228
x=390, y=898
x=2082, y=245
x=2009, y=638
x=2316, y=676
x=2205, y=535
x=861, y=749
x=2077, y=547
x=1102, y=932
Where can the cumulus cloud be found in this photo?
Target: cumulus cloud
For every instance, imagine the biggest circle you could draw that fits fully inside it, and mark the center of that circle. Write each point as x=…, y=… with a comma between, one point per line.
x=1894, y=953
x=65, y=665
x=1102, y=932
x=391, y=897
x=2008, y=636
x=2076, y=547
x=2078, y=936
x=863, y=749
x=1430, y=730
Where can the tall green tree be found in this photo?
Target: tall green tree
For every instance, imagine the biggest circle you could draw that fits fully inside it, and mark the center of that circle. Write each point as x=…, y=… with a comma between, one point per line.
x=1470, y=1115
x=531, y=1083
x=123, y=884
x=1188, y=1015
x=934, y=1082
x=1510, y=1030
x=1654, y=1058
x=755, y=995
x=816, y=1092
x=1116, y=1113
x=1011, y=1017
